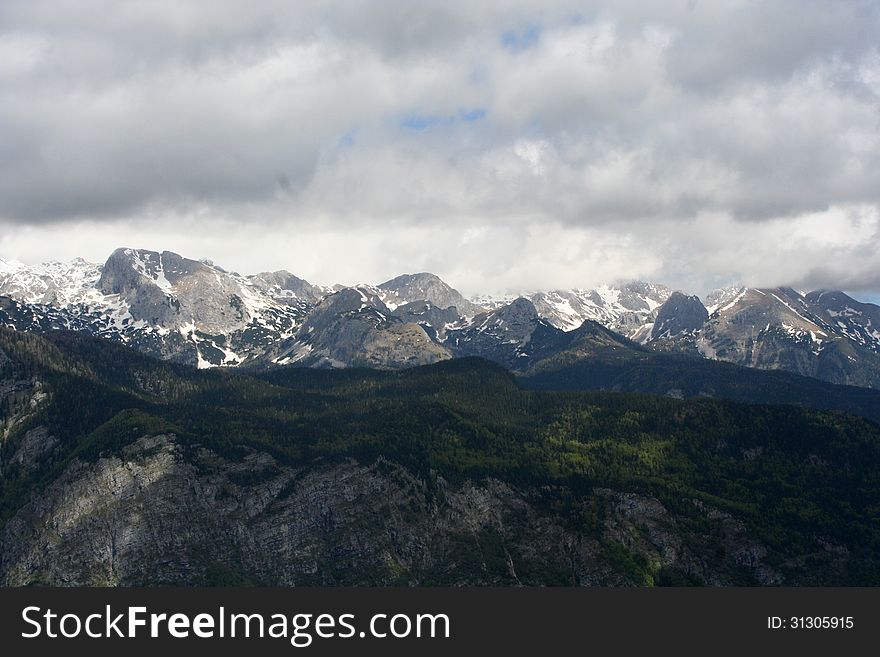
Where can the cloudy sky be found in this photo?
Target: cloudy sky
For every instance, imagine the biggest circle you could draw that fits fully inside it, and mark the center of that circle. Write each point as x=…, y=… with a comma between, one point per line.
x=503, y=145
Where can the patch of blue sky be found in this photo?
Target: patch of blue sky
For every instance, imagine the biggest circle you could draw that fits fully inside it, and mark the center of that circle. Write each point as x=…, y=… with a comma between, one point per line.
x=419, y=122
x=521, y=39
x=866, y=296
x=422, y=122
x=346, y=140
x=474, y=114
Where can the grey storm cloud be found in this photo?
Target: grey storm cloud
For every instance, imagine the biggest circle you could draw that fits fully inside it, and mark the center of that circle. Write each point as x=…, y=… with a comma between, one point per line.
x=648, y=123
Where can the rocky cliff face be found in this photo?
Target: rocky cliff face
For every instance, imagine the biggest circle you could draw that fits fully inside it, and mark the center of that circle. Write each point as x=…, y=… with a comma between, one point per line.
x=436, y=321
x=164, y=513
x=512, y=335
x=859, y=322
x=353, y=327
x=824, y=335
x=408, y=288
x=287, y=288
x=170, y=291
x=679, y=314
x=163, y=304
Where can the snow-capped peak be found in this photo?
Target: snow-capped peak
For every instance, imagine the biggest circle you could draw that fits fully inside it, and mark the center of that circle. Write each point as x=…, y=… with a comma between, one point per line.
x=624, y=308
x=8, y=267
x=53, y=282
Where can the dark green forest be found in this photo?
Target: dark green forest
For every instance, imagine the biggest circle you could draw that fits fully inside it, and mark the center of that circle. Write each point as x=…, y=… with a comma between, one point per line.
x=792, y=475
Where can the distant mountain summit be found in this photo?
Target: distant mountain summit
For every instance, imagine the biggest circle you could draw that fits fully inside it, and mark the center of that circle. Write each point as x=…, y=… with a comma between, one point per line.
x=172, y=292
x=826, y=335
x=286, y=288
x=679, y=314
x=408, y=288
x=162, y=303
x=629, y=309
x=511, y=335
x=196, y=312
x=353, y=327
x=53, y=283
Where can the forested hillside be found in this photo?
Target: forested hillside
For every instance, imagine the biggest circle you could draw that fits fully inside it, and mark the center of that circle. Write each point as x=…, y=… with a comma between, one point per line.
x=121, y=469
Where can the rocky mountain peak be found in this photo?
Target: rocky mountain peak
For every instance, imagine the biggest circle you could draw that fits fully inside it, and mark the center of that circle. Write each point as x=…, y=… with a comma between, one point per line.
x=175, y=293
x=859, y=322
x=435, y=321
x=510, y=335
x=425, y=286
x=351, y=299
x=199, y=313
x=51, y=283
x=628, y=309
x=679, y=314
x=341, y=311
x=518, y=309
x=283, y=286
x=128, y=269
x=9, y=266
x=640, y=296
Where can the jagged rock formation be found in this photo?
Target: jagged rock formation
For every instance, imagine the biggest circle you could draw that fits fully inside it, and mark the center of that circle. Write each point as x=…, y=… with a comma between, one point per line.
x=161, y=513
x=434, y=320
x=354, y=328
x=822, y=335
x=285, y=287
x=511, y=335
x=410, y=288
x=198, y=313
x=628, y=309
x=679, y=314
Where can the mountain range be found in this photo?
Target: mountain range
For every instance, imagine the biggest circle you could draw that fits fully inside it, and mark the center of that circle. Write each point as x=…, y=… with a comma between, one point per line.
x=196, y=312
x=166, y=421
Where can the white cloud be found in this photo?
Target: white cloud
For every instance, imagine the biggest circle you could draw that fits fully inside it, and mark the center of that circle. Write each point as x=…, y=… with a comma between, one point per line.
x=692, y=143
